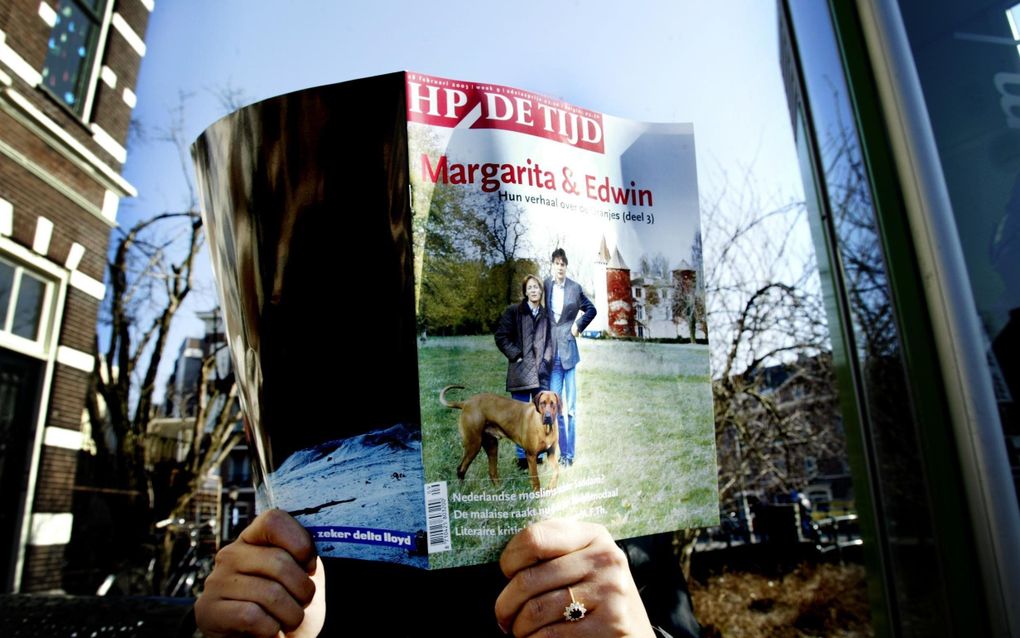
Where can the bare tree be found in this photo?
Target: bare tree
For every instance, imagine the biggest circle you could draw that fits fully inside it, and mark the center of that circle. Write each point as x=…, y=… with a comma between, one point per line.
x=773, y=383
x=656, y=265
x=148, y=285
x=213, y=432
x=773, y=388
x=151, y=273
x=496, y=227
x=476, y=251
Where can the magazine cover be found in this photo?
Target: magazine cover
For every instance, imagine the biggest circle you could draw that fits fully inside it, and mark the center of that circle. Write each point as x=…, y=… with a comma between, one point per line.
x=455, y=308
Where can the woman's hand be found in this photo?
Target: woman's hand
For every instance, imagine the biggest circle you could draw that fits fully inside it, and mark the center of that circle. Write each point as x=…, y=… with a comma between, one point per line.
x=545, y=559
x=266, y=583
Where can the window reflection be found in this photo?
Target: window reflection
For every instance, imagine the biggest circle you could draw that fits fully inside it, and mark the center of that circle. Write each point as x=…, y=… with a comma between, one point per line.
x=849, y=219
x=70, y=49
x=22, y=302
x=968, y=64
x=28, y=309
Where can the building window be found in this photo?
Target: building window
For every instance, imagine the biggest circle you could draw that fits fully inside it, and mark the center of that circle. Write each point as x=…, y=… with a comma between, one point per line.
x=23, y=299
x=810, y=466
x=71, y=51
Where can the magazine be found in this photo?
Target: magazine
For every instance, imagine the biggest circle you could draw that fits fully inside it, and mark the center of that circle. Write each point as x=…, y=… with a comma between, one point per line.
x=455, y=308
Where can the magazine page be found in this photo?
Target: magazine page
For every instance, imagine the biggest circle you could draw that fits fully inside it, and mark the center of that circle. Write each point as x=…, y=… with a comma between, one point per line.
x=562, y=347
x=306, y=209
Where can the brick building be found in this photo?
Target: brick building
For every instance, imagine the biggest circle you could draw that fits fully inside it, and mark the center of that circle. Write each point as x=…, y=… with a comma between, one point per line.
x=67, y=73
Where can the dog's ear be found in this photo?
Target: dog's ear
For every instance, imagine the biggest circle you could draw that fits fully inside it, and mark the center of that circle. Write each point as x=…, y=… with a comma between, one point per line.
x=537, y=401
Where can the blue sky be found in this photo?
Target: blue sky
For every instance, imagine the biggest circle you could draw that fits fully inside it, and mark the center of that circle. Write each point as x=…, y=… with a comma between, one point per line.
x=712, y=64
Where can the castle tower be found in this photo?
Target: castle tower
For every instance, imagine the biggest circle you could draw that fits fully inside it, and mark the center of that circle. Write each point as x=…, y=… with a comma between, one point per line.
x=685, y=284
x=620, y=301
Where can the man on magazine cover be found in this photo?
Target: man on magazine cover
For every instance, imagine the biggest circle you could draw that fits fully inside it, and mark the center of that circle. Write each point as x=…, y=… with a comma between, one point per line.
x=565, y=300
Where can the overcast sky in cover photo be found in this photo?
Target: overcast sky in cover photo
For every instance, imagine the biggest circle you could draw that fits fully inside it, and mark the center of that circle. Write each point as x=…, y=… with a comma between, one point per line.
x=714, y=64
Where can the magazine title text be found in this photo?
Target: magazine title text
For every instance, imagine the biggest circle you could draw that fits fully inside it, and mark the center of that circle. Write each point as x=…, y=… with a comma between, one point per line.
x=457, y=104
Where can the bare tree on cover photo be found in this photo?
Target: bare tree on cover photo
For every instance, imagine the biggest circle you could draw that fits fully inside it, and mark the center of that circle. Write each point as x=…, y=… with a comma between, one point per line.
x=476, y=249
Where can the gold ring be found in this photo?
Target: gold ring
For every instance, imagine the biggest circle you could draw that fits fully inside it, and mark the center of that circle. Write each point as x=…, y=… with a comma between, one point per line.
x=575, y=610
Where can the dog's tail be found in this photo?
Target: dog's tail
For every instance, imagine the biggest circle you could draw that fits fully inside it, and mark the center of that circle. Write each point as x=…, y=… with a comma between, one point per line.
x=451, y=404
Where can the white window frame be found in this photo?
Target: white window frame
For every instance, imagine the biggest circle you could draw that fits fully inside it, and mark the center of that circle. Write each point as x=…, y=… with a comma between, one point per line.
x=97, y=62
x=40, y=347
x=19, y=255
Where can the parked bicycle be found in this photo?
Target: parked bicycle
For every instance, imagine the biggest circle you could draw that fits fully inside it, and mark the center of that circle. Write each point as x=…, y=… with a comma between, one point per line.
x=191, y=563
x=188, y=574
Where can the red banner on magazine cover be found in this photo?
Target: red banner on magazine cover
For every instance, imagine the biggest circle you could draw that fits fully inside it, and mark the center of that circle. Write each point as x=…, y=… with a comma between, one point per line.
x=460, y=104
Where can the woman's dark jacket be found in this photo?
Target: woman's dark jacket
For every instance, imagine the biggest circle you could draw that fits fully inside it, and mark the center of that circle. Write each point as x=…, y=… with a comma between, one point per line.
x=526, y=342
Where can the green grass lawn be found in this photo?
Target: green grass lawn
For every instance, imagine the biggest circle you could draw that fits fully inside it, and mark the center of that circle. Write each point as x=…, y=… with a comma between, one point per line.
x=645, y=457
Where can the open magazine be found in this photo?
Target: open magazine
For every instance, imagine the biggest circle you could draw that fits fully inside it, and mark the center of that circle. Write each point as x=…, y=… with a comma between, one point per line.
x=455, y=308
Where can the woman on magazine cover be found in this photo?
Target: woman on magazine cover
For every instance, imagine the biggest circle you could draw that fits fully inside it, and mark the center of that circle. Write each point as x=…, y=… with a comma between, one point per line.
x=524, y=336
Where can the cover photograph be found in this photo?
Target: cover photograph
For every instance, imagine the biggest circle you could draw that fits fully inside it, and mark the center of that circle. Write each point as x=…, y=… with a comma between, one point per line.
x=455, y=308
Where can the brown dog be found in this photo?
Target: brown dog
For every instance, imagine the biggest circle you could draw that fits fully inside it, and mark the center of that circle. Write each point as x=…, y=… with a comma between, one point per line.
x=486, y=418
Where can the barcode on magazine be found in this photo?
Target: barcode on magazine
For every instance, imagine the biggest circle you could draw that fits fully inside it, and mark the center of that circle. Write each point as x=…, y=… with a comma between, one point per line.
x=437, y=514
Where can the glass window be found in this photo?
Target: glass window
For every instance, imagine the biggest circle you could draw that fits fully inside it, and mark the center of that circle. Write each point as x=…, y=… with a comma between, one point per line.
x=28, y=309
x=859, y=295
x=71, y=51
x=810, y=465
x=969, y=68
x=22, y=302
